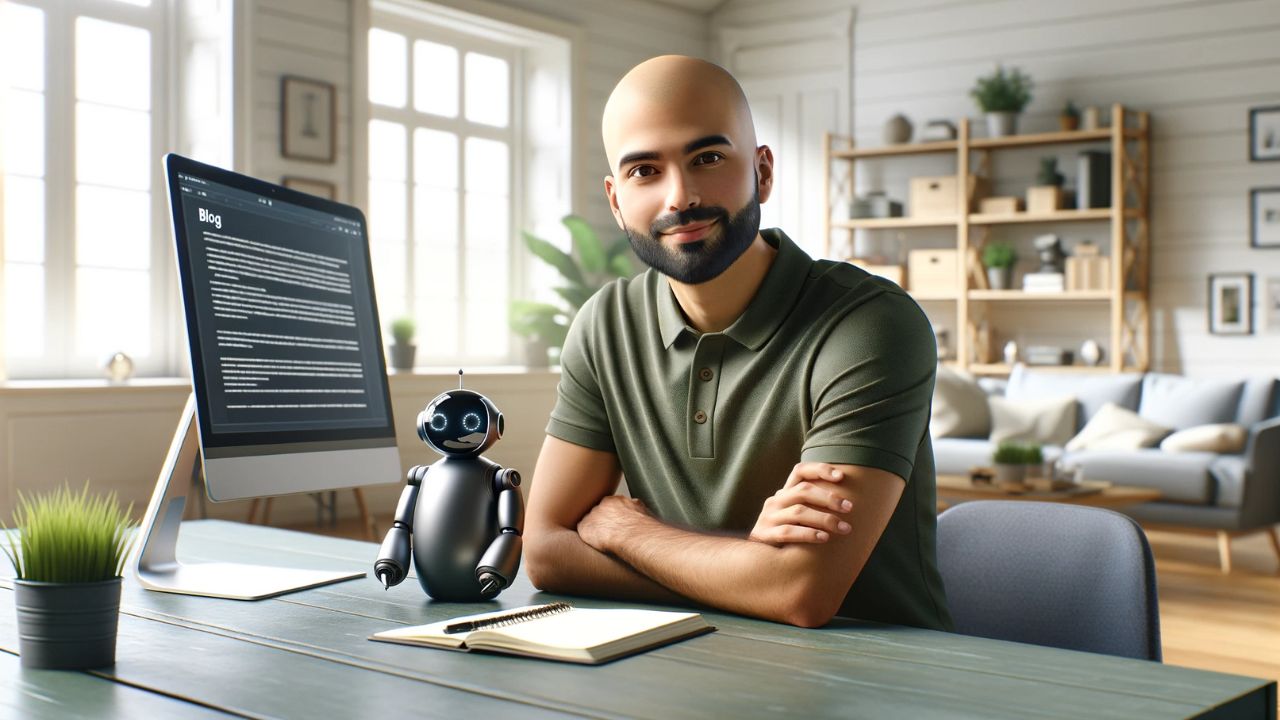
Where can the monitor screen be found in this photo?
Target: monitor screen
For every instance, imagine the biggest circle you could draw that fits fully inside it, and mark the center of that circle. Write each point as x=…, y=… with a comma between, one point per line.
x=281, y=319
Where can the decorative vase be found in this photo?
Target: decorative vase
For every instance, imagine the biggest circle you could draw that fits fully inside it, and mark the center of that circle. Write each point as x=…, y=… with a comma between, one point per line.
x=1000, y=278
x=897, y=130
x=1010, y=474
x=67, y=626
x=1002, y=124
x=403, y=356
x=1090, y=118
x=1011, y=352
x=535, y=354
x=1067, y=123
x=1091, y=352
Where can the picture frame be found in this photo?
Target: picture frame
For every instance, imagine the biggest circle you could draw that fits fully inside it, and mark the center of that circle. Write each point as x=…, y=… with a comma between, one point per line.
x=1264, y=217
x=311, y=186
x=308, y=119
x=1272, y=302
x=1264, y=133
x=1231, y=304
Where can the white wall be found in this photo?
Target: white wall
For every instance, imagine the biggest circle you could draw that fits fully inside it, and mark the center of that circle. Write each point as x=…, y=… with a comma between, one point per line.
x=1196, y=66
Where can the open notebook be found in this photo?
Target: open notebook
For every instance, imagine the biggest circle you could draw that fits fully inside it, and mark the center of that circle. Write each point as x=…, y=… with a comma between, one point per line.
x=556, y=632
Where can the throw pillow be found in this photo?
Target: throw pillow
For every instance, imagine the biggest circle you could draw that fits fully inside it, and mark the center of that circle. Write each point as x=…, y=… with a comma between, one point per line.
x=959, y=406
x=1117, y=428
x=1048, y=421
x=1182, y=402
x=1221, y=438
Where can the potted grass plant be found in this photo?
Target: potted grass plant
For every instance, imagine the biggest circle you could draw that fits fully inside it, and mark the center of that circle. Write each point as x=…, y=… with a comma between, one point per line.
x=1012, y=459
x=999, y=258
x=69, y=553
x=403, y=349
x=1002, y=95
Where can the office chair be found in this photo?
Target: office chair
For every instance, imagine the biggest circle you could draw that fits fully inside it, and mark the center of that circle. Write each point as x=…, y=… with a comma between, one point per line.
x=1065, y=576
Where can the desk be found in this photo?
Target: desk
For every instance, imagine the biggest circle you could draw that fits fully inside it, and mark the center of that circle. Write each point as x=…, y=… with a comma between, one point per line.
x=960, y=487
x=306, y=655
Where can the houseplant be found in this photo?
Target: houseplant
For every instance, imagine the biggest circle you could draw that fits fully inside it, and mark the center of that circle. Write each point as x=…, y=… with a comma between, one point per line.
x=588, y=268
x=403, y=350
x=999, y=258
x=1002, y=95
x=1012, y=459
x=1069, y=118
x=69, y=555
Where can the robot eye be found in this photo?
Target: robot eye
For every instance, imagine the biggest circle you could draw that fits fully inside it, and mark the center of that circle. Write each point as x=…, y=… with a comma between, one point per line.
x=471, y=422
x=439, y=422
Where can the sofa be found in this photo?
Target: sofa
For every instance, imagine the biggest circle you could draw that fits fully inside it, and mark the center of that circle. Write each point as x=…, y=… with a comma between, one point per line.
x=1232, y=491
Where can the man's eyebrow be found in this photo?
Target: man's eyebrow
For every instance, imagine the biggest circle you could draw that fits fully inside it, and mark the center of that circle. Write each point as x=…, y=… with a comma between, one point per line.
x=693, y=146
x=637, y=157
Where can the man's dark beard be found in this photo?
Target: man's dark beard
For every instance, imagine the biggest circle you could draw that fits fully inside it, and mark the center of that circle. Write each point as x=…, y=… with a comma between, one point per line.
x=701, y=260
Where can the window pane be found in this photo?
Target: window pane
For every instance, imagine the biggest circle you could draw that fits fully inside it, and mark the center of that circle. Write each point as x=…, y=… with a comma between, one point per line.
x=487, y=162
x=486, y=329
x=387, y=211
x=435, y=158
x=435, y=78
x=435, y=220
x=23, y=219
x=113, y=64
x=113, y=228
x=388, y=68
x=22, y=45
x=24, y=310
x=487, y=222
x=487, y=273
x=24, y=133
x=487, y=89
x=113, y=312
x=113, y=146
x=388, y=150
x=388, y=278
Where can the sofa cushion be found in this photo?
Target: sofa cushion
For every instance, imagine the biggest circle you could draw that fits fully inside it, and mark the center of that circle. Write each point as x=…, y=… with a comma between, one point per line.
x=1117, y=428
x=1257, y=400
x=1223, y=438
x=1182, y=402
x=1228, y=473
x=1091, y=391
x=957, y=456
x=1180, y=477
x=959, y=406
x=1048, y=421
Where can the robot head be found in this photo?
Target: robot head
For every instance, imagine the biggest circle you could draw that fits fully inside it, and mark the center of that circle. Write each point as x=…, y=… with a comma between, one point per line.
x=460, y=423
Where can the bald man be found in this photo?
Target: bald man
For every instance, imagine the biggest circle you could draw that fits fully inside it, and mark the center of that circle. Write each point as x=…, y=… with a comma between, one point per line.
x=769, y=412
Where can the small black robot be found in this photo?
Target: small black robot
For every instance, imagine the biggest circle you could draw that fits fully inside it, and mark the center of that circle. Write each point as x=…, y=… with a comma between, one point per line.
x=466, y=513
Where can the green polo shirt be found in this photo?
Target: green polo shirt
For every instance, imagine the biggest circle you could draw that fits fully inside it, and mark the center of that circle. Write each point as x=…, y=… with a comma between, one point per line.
x=826, y=364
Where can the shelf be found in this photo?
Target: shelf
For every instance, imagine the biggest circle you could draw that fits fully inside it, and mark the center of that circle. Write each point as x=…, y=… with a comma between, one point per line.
x=1024, y=296
x=1002, y=369
x=923, y=148
x=1049, y=138
x=893, y=222
x=1057, y=216
x=934, y=297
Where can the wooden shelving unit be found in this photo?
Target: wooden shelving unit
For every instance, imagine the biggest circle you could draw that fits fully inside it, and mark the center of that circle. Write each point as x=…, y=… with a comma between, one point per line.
x=1126, y=303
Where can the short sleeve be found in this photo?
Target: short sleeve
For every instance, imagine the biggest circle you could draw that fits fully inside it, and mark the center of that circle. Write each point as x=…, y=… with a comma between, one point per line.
x=872, y=386
x=579, y=416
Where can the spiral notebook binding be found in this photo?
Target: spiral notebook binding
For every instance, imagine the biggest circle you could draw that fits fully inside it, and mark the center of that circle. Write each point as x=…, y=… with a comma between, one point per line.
x=516, y=618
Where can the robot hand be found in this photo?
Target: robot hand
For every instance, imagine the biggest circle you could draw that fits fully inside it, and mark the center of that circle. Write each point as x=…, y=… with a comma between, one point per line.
x=498, y=565
x=392, y=565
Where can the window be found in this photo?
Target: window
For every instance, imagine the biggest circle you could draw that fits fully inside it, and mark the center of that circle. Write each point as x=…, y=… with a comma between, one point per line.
x=85, y=271
x=451, y=173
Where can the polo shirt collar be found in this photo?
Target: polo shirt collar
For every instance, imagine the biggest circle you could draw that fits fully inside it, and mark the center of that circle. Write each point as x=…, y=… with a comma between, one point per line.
x=766, y=311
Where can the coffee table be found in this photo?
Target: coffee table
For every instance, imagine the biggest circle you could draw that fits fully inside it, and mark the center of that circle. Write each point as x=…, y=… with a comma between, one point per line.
x=1096, y=493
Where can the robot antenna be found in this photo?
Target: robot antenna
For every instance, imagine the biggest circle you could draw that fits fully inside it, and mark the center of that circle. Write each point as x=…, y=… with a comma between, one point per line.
x=459, y=378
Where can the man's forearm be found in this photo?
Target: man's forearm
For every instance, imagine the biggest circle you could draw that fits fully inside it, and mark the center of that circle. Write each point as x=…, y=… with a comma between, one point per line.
x=559, y=561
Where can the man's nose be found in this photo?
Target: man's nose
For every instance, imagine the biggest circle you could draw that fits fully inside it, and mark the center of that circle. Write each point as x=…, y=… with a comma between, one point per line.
x=682, y=193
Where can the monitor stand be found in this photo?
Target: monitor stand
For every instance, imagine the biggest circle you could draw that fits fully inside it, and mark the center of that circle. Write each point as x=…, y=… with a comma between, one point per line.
x=157, y=564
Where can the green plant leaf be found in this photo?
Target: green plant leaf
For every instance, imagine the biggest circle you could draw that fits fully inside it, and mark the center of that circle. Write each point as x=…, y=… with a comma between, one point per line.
x=591, y=255
x=575, y=295
x=620, y=259
x=555, y=257
x=64, y=537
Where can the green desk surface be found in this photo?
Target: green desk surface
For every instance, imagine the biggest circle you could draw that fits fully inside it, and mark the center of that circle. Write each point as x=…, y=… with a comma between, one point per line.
x=306, y=655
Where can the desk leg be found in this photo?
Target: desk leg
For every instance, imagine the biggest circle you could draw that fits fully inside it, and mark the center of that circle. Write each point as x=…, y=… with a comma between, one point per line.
x=1224, y=551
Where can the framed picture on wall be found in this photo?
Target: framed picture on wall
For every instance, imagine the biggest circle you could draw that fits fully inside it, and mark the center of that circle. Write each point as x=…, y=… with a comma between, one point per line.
x=1264, y=217
x=1264, y=133
x=1231, y=304
x=308, y=119
x=319, y=188
x=1273, y=304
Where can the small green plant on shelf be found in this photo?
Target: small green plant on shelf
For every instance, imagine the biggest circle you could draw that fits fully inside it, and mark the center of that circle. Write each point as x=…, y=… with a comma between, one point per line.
x=1002, y=91
x=403, y=330
x=1016, y=453
x=999, y=255
x=65, y=537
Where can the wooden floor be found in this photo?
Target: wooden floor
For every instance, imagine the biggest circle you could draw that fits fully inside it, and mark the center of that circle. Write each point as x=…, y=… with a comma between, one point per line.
x=1229, y=623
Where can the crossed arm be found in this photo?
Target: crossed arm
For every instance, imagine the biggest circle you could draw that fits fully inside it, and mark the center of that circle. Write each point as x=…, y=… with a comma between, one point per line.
x=795, y=567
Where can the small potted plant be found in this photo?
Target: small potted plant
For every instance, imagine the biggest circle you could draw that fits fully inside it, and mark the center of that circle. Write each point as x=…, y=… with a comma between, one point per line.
x=69, y=555
x=1012, y=459
x=999, y=258
x=1069, y=119
x=403, y=351
x=1002, y=95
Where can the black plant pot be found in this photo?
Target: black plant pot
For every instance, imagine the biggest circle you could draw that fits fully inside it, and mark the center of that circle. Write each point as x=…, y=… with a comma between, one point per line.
x=67, y=626
x=403, y=356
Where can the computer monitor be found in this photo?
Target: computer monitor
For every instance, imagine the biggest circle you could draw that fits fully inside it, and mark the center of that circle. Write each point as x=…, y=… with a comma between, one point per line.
x=289, y=381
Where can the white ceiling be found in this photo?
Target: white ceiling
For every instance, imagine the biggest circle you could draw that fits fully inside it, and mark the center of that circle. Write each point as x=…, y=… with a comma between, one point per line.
x=704, y=7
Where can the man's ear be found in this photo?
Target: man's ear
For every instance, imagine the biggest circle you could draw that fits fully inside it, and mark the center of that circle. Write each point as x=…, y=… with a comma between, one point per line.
x=611, y=192
x=764, y=172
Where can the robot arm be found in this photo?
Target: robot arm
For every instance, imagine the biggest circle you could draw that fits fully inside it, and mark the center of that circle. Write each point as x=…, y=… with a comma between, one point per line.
x=498, y=565
x=392, y=565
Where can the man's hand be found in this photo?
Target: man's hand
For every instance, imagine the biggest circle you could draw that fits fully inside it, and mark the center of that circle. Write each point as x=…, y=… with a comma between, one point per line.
x=805, y=510
x=610, y=519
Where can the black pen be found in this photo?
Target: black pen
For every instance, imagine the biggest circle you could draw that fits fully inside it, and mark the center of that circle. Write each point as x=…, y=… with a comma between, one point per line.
x=532, y=613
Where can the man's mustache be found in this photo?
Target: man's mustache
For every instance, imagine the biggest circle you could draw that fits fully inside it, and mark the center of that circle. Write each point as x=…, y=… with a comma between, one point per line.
x=686, y=217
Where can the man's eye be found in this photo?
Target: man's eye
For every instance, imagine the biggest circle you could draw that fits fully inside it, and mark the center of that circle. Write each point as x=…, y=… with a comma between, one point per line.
x=708, y=158
x=642, y=171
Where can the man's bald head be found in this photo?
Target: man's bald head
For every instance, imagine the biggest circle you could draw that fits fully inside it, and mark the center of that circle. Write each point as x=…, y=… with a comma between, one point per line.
x=673, y=89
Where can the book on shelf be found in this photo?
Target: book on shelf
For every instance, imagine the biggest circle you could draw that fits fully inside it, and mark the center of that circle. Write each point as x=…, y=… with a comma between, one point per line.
x=557, y=631
x=1043, y=282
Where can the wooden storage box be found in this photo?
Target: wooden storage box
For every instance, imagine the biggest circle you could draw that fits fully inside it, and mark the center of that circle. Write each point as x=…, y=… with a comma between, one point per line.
x=1044, y=199
x=896, y=273
x=1000, y=205
x=933, y=272
x=937, y=197
x=1088, y=272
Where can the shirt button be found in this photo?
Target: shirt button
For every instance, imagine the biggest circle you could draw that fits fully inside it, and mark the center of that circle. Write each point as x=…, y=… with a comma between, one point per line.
x=705, y=374
x=700, y=417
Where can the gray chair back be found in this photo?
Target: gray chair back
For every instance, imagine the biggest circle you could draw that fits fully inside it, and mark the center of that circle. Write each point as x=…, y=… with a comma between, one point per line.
x=1065, y=576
